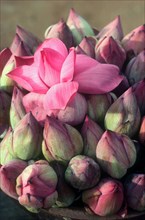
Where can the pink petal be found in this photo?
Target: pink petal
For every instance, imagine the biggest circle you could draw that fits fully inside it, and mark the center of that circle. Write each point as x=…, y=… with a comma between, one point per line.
x=52, y=43
x=95, y=78
x=33, y=102
x=26, y=60
x=67, y=70
x=58, y=95
x=52, y=62
x=28, y=78
x=5, y=55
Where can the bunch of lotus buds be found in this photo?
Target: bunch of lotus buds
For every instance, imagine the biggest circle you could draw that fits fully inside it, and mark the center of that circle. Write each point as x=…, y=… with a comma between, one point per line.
x=72, y=118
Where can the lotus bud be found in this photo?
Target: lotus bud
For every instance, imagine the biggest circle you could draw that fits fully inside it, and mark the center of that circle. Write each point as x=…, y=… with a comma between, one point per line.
x=114, y=29
x=122, y=87
x=78, y=26
x=87, y=46
x=5, y=144
x=75, y=111
x=135, y=70
x=123, y=116
x=106, y=198
x=79, y=50
x=91, y=133
x=5, y=101
x=139, y=92
x=109, y=50
x=31, y=41
x=36, y=186
x=82, y=172
x=135, y=40
x=8, y=175
x=61, y=31
x=27, y=138
x=142, y=131
x=115, y=153
x=98, y=106
x=66, y=194
x=17, y=110
x=135, y=191
x=61, y=141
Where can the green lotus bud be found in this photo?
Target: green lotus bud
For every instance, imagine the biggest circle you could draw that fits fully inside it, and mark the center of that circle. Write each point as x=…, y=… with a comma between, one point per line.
x=123, y=116
x=82, y=172
x=27, y=138
x=61, y=141
x=115, y=153
x=17, y=110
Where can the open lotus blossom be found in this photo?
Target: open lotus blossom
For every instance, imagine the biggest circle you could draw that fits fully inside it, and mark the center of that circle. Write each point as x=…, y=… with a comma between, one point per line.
x=57, y=75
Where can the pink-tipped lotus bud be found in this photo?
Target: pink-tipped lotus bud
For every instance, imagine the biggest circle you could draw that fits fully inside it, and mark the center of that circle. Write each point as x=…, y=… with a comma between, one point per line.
x=135, y=40
x=122, y=87
x=61, y=141
x=61, y=31
x=66, y=194
x=87, y=46
x=106, y=198
x=115, y=153
x=75, y=111
x=139, y=92
x=114, y=29
x=5, y=101
x=17, y=110
x=79, y=27
x=142, y=131
x=82, y=172
x=7, y=64
x=27, y=138
x=123, y=116
x=91, y=133
x=135, y=191
x=98, y=106
x=36, y=186
x=109, y=50
x=5, y=144
x=8, y=175
x=31, y=41
x=135, y=70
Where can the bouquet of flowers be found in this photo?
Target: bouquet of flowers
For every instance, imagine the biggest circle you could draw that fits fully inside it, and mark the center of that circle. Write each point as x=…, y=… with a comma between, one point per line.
x=72, y=117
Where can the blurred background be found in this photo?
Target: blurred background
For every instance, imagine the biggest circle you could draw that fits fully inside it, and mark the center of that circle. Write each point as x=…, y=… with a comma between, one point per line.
x=37, y=15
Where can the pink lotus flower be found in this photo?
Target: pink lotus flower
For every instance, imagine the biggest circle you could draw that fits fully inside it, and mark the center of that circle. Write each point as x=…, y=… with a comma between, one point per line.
x=57, y=75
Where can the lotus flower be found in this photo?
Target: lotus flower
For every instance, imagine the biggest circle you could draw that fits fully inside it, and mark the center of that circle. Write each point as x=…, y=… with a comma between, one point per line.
x=135, y=40
x=60, y=31
x=114, y=29
x=106, y=198
x=36, y=186
x=98, y=106
x=66, y=194
x=135, y=191
x=123, y=116
x=75, y=111
x=139, y=92
x=5, y=144
x=61, y=141
x=115, y=153
x=27, y=138
x=8, y=175
x=91, y=133
x=135, y=70
x=78, y=26
x=5, y=102
x=142, y=131
x=57, y=75
x=82, y=172
x=108, y=50
x=17, y=110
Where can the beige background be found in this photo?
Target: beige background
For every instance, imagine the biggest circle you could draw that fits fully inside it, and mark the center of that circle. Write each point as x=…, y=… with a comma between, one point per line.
x=37, y=15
